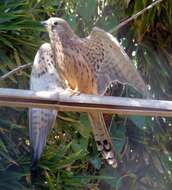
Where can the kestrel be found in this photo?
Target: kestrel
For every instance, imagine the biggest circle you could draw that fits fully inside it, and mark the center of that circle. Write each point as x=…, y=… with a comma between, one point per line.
x=89, y=65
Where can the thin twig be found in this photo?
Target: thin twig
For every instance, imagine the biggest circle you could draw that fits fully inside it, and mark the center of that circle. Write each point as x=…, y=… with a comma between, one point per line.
x=134, y=16
x=21, y=67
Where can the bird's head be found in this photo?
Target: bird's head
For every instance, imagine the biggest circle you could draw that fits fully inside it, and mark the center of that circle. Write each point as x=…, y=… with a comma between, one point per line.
x=57, y=26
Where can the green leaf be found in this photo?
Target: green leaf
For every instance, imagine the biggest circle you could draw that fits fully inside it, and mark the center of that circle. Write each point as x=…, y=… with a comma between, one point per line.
x=96, y=162
x=139, y=121
x=87, y=9
x=118, y=134
x=85, y=127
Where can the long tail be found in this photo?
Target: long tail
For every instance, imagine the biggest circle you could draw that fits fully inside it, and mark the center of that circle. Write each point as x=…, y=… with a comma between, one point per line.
x=102, y=138
x=41, y=122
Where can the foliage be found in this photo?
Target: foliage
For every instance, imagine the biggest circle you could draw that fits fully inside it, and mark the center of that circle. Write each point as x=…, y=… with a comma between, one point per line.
x=70, y=159
x=152, y=43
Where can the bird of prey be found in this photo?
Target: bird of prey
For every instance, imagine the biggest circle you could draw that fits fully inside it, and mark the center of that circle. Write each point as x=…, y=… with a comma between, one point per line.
x=88, y=65
x=44, y=76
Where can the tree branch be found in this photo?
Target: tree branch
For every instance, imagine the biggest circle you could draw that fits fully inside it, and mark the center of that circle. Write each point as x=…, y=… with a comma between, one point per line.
x=21, y=67
x=134, y=16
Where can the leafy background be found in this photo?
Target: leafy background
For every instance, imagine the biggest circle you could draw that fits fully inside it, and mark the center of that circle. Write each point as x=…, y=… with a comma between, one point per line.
x=70, y=159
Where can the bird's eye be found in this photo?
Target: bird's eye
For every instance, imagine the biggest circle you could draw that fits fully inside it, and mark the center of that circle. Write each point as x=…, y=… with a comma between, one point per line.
x=56, y=23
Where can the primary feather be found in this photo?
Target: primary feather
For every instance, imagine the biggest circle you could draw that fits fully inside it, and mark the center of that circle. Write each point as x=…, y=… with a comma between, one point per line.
x=111, y=62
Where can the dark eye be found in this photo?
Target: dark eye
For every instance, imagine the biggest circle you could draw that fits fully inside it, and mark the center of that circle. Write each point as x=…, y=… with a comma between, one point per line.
x=56, y=23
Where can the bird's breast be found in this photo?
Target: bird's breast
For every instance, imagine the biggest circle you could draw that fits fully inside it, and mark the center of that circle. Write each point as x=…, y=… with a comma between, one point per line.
x=75, y=71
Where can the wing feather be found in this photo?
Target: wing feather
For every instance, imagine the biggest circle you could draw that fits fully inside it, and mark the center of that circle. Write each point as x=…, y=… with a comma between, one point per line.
x=43, y=77
x=112, y=63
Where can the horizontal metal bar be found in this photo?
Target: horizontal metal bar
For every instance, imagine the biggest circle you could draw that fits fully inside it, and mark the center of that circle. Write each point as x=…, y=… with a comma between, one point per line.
x=64, y=101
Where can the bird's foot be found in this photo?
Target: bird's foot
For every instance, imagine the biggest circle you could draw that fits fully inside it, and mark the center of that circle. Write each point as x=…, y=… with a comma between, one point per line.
x=73, y=92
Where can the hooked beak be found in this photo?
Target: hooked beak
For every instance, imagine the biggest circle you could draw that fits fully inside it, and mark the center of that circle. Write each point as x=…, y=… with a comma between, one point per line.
x=44, y=23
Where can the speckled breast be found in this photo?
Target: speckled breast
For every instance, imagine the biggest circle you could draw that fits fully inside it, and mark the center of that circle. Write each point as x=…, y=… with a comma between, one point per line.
x=74, y=70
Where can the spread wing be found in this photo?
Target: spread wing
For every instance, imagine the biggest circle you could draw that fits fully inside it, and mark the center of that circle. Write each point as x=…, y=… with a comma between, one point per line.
x=43, y=77
x=110, y=61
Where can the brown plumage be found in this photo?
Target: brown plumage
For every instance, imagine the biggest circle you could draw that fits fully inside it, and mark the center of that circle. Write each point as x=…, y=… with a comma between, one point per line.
x=88, y=65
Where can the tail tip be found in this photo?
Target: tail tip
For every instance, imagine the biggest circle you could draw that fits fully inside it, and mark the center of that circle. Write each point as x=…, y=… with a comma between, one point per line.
x=112, y=162
x=114, y=165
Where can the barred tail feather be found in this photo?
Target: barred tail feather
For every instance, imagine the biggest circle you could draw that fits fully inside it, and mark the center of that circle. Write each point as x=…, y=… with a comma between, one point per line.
x=102, y=138
x=41, y=122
